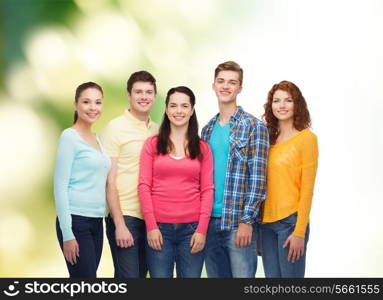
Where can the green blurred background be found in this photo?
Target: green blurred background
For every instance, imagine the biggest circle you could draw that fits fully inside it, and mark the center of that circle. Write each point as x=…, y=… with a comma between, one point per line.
x=48, y=47
x=330, y=49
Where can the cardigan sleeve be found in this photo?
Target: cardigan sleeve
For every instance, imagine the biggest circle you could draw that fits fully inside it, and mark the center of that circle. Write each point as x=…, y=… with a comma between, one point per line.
x=64, y=160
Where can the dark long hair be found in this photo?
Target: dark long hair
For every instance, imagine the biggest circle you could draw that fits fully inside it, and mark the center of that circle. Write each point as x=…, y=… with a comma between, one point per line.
x=164, y=144
x=82, y=87
x=301, y=113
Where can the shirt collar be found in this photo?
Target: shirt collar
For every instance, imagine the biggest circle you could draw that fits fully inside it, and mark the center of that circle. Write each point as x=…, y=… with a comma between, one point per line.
x=134, y=120
x=238, y=113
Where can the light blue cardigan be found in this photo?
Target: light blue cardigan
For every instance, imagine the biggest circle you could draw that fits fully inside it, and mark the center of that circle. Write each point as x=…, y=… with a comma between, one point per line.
x=79, y=180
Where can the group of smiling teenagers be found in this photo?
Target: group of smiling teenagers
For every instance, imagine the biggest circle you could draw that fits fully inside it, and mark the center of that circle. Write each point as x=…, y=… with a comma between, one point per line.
x=172, y=199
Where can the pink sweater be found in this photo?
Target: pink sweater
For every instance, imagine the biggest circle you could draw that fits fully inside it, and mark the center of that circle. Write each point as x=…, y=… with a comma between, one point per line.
x=175, y=191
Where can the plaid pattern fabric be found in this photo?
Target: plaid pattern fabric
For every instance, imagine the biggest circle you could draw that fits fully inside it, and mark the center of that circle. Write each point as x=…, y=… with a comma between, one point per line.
x=246, y=170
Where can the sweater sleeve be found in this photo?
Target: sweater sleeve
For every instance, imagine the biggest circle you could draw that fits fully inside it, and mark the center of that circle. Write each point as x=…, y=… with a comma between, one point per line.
x=145, y=184
x=64, y=160
x=206, y=188
x=309, y=167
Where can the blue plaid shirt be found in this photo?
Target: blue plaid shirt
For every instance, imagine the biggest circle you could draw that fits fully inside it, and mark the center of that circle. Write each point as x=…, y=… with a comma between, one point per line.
x=246, y=170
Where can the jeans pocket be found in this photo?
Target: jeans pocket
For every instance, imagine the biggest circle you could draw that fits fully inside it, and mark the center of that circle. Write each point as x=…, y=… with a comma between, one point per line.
x=81, y=226
x=193, y=226
x=80, y=220
x=290, y=220
x=159, y=225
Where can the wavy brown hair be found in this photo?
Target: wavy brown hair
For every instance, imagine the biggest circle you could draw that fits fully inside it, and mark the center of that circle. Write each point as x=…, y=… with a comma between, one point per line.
x=301, y=114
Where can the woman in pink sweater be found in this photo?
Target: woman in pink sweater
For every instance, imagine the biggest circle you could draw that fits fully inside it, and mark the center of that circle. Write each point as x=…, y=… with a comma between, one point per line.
x=176, y=190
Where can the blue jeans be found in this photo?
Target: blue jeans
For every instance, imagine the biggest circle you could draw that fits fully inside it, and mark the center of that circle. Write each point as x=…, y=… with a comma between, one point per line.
x=274, y=257
x=223, y=259
x=128, y=262
x=89, y=236
x=175, y=249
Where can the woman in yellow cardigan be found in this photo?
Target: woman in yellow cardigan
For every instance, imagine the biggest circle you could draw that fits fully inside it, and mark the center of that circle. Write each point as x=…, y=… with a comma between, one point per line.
x=292, y=166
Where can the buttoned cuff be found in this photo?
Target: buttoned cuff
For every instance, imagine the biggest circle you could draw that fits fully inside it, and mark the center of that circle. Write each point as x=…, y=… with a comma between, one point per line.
x=246, y=219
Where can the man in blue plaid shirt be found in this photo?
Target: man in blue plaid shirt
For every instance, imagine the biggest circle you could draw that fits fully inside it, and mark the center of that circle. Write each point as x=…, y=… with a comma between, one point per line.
x=240, y=144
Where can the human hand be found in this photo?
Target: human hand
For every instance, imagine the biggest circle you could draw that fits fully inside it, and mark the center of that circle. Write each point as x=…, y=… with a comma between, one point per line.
x=197, y=242
x=297, y=247
x=244, y=235
x=124, y=238
x=71, y=251
x=155, y=240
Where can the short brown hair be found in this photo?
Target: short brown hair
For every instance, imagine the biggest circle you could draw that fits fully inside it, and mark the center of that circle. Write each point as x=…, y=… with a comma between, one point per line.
x=141, y=76
x=229, y=66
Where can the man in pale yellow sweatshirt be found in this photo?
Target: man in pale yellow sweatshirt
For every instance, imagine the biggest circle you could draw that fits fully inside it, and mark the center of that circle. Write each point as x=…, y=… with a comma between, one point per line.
x=123, y=138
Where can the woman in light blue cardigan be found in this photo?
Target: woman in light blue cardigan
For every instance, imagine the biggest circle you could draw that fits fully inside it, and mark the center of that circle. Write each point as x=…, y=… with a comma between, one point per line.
x=81, y=171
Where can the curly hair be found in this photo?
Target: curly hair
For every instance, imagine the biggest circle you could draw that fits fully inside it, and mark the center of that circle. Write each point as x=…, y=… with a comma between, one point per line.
x=301, y=114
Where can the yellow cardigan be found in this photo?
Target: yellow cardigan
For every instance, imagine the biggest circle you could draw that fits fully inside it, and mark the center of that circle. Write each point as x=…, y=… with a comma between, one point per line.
x=291, y=172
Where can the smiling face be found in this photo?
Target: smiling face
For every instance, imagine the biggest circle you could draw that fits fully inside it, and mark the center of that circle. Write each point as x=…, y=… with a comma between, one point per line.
x=179, y=109
x=227, y=86
x=89, y=105
x=283, y=106
x=141, y=97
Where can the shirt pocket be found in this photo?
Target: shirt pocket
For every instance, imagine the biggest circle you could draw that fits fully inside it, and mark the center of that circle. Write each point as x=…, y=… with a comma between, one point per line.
x=239, y=148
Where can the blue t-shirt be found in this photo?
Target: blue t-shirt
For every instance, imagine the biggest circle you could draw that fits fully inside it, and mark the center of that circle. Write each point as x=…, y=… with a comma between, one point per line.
x=79, y=180
x=220, y=144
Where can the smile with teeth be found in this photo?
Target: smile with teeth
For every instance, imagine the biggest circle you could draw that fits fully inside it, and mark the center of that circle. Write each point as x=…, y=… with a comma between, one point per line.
x=92, y=115
x=282, y=112
x=178, y=118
